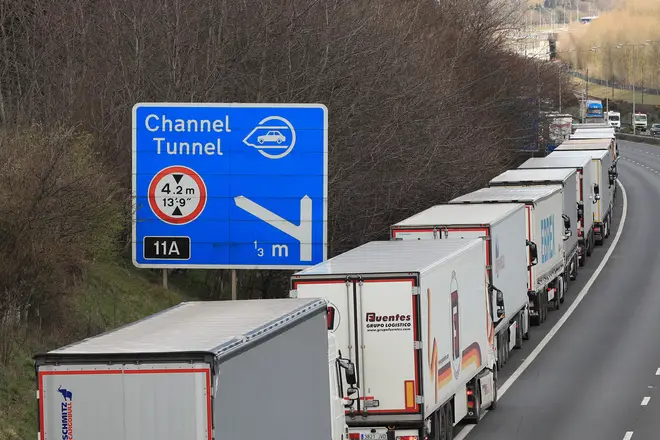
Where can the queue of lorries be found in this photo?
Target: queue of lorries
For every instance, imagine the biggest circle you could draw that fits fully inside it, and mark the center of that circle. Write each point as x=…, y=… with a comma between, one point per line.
x=400, y=339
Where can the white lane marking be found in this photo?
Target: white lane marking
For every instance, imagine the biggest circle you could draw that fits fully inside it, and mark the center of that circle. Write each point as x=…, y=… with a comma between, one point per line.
x=645, y=401
x=628, y=435
x=657, y=372
x=553, y=331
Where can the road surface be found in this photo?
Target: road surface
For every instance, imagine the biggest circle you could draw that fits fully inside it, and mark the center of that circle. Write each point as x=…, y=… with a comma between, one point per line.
x=598, y=377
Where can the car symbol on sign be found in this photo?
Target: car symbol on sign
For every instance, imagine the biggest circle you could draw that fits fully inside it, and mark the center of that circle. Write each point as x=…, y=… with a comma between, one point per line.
x=271, y=136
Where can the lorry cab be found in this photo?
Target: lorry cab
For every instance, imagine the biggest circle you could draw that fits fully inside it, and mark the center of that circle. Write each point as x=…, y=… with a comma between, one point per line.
x=614, y=119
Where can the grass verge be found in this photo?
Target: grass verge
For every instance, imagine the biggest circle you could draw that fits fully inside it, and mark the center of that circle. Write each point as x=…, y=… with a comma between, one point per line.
x=113, y=294
x=603, y=92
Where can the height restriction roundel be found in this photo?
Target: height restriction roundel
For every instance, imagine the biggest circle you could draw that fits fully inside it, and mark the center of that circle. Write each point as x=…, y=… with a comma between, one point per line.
x=177, y=195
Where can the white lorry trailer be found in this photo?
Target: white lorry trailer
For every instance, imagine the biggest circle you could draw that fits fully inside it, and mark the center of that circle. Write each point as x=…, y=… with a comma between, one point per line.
x=568, y=178
x=415, y=318
x=503, y=227
x=585, y=219
x=590, y=125
x=590, y=135
x=544, y=228
x=597, y=144
x=200, y=371
x=602, y=188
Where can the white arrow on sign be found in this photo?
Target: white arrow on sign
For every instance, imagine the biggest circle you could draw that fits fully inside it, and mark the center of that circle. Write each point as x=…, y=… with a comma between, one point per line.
x=302, y=232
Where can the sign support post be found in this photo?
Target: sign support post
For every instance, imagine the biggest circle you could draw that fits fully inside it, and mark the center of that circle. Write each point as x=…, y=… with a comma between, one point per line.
x=234, y=295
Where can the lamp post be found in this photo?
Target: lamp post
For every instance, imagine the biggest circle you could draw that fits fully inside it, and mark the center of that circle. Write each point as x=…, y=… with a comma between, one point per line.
x=620, y=46
x=586, y=83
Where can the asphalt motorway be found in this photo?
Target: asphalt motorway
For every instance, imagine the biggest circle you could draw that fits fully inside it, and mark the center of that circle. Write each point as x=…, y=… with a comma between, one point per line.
x=598, y=375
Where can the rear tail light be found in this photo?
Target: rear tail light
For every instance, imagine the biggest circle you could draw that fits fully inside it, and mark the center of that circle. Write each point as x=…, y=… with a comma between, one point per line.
x=408, y=437
x=331, y=326
x=354, y=436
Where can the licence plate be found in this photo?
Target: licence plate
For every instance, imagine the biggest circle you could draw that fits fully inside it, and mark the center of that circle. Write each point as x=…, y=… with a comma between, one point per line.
x=374, y=436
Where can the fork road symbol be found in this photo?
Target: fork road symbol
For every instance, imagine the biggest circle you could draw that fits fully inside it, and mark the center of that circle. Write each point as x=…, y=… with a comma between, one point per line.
x=301, y=232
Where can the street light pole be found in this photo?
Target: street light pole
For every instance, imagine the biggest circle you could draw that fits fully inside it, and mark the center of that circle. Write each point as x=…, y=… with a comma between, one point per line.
x=632, y=118
x=633, y=90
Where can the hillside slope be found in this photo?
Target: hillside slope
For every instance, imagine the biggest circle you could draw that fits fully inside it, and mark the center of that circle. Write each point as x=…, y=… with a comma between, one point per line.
x=113, y=294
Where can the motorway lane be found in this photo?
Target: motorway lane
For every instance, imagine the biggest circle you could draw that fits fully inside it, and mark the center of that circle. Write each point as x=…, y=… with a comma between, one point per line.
x=590, y=380
x=517, y=357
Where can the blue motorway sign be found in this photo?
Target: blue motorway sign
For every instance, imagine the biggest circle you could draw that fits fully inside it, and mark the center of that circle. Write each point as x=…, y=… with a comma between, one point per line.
x=230, y=185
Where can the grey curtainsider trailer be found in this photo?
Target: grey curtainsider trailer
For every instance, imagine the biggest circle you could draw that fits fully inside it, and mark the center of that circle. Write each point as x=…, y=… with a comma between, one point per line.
x=255, y=369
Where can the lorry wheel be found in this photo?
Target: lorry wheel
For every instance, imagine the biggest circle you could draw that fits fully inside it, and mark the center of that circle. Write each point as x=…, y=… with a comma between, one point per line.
x=575, y=268
x=583, y=260
x=477, y=406
x=519, y=331
x=438, y=428
x=529, y=324
x=607, y=222
x=535, y=320
x=557, y=301
x=542, y=308
x=493, y=404
x=450, y=423
x=590, y=247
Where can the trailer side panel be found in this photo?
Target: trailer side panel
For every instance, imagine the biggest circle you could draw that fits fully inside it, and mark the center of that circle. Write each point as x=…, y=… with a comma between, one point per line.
x=277, y=390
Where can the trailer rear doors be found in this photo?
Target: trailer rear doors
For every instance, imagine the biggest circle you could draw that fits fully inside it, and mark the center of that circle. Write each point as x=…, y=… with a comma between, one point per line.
x=376, y=323
x=165, y=401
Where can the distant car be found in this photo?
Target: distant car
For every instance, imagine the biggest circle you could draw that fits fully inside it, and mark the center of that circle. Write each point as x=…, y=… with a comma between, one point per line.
x=655, y=129
x=271, y=136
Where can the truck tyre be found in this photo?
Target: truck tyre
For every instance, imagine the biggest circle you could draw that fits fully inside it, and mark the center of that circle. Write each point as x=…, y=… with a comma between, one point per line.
x=602, y=232
x=575, y=268
x=438, y=428
x=477, y=404
x=583, y=260
x=493, y=404
x=590, y=245
x=449, y=424
x=519, y=331
x=529, y=324
x=608, y=221
x=545, y=305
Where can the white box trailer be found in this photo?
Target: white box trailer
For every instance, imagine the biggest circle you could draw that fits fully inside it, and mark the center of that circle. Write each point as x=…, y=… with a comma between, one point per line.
x=568, y=178
x=503, y=227
x=596, y=132
x=199, y=371
x=414, y=317
x=544, y=228
x=590, y=125
x=602, y=188
x=586, y=168
x=585, y=135
x=590, y=144
x=597, y=144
